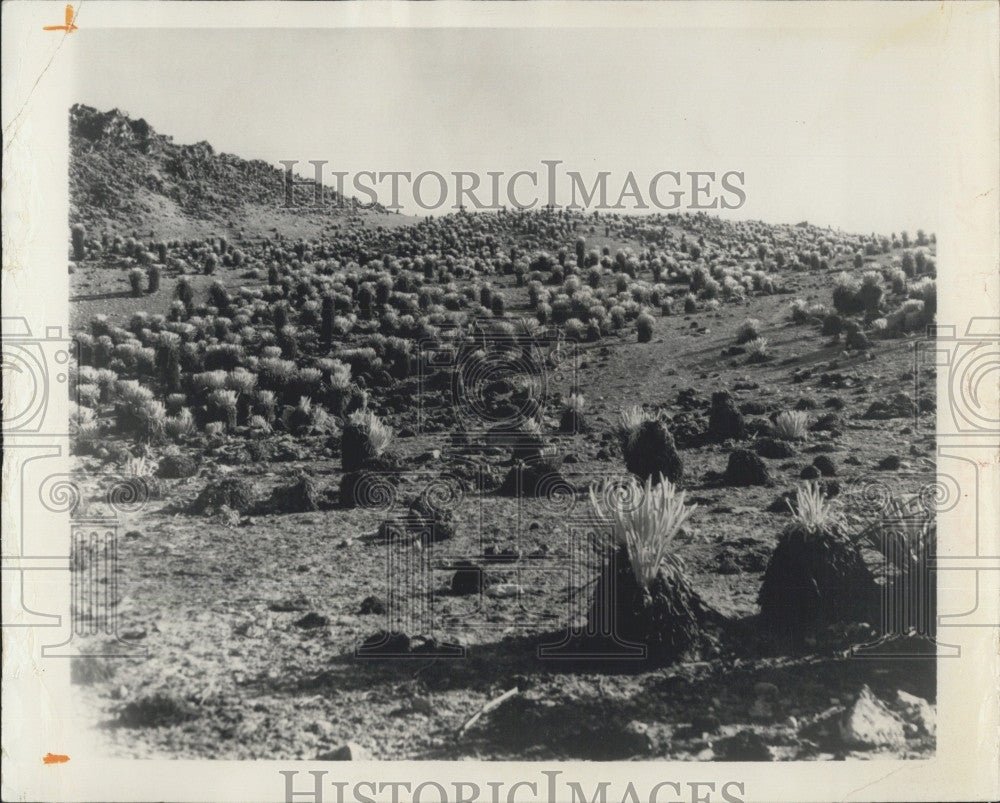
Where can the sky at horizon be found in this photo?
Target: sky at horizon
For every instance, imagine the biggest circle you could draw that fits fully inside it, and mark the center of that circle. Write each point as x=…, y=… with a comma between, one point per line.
x=828, y=126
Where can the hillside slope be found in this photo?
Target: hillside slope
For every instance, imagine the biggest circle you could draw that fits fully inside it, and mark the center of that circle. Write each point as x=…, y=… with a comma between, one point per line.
x=124, y=176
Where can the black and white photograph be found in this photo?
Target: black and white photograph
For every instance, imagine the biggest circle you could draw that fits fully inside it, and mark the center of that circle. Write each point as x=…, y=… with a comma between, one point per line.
x=507, y=391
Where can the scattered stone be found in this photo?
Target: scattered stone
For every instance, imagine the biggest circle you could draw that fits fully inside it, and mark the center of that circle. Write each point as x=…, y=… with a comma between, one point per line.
x=705, y=723
x=744, y=746
x=890, y=463
x=766, y=690
x=367, y=488
x=421, y=705
x=312, y=620
x=726, y=563
x=302, y=496
x=347, y=752
x=869, y=723
x=372, y=605
x=505, y=555
x=774, y=449
x=810, y=472
x=290, y=604
x=745, y=468
x=387, y=643
x=825, y=466
x=857, y=341
x=504, y=590
x=918, y=712
x=899, y=406
x=232, y=492
x=826, y=423
x=225, y=516
x=175, y=466
x=468, y=579
x=689, y=399
x=527, y=479
x=429, y=521
x=636, y=739
x=155, y=711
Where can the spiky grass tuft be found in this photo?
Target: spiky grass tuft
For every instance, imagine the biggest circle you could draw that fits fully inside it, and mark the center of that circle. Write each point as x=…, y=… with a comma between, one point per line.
x=812, y=512
x=758, y=349
x=749, y=330
x=791, y=425
x=816, y=575
x=379, y=433
x=631, y=419
x=645, y=521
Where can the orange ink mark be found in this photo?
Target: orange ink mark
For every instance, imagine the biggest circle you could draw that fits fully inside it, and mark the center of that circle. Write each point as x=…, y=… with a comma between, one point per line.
x=55, y=758
x=69, y=27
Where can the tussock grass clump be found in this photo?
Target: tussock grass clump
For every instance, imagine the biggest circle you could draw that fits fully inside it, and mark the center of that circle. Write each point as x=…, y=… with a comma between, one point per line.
x=377, y=434
x=644, y=590
x=758, y=350
x=832, y=326
x=749, y=330
x=138, y=412
x=222, y=406
x=648, y=447
x=79, y=235
x=84, y=429
x=572, y=416
x=363, y=450
x=926, y=291
x=181, y=425
x=305, y=417
x=644, y=520
x=847, y=299
x=799, y=311
x=630, y=419
x=791, y=425
x=644, y=327
x=137, y=281
x=725, y=421
x=816, y=576
x=906, y=535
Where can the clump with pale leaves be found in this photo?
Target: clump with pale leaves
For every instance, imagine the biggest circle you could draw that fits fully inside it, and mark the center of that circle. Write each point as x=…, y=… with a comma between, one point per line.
x=645, y=521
